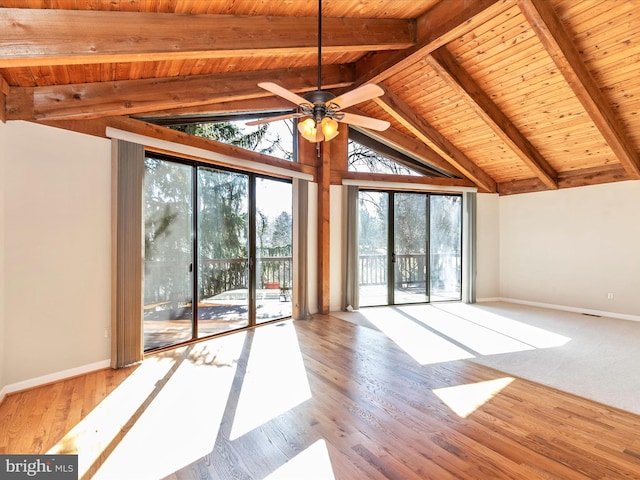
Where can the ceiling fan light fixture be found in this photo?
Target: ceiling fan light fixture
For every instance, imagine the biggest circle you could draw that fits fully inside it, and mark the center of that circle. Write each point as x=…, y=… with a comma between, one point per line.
x=329, y=128
x=308, y=129
x=315, y=132
x=322, y=109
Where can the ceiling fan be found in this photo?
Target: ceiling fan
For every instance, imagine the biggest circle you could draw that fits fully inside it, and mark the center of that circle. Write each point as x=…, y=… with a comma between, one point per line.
x=322, y=109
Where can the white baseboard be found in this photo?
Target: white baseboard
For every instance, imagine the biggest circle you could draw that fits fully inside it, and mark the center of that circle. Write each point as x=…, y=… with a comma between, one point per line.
x=52, y=377
x=588, y=311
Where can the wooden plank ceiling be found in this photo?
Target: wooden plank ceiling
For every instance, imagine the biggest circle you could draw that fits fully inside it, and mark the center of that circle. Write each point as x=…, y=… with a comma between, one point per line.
x=512, y=95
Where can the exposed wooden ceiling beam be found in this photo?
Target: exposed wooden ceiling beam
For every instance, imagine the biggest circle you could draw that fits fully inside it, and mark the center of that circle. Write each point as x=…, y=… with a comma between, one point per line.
x=443, y=23
x=91, y=100
x=461, y=82
x=574, y=178
x=400, y=111
x=556, y=40
x=33, y=37
x=265, y=104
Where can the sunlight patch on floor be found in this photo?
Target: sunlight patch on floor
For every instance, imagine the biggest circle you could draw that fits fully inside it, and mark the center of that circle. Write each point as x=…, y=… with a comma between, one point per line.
x=182, y=423
x=313, y=463
x=423, y=345
x=466, y=399
x=101, y=426
x=480, y=339
x=534, y=336
x=275, y=380
x=163, y=417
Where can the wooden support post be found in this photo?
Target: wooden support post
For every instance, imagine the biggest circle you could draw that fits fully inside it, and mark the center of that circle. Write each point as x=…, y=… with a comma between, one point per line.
x=4, y=93
x=319, y=156
x=324, y=232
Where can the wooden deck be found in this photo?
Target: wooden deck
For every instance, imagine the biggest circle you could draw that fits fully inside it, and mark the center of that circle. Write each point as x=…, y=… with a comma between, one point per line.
x=318, y=399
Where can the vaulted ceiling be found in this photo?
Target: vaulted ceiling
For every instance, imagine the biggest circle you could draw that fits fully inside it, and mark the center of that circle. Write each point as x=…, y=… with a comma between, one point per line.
x=512, y=95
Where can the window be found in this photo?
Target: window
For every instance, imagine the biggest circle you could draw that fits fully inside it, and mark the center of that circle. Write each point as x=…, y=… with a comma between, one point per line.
x=363, y=159
x=276, y=138
x=368, y=155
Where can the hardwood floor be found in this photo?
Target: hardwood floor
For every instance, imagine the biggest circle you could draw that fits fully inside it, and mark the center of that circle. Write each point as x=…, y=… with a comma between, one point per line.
x=317, y=399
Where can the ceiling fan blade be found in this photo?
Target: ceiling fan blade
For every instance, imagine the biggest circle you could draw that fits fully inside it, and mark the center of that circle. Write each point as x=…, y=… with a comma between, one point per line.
x=273, y=119
x=360, y=94
x=283, y=92
x=366, y=122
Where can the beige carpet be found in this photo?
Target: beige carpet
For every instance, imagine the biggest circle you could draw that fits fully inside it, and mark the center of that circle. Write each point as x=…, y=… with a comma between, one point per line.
x=593, y=357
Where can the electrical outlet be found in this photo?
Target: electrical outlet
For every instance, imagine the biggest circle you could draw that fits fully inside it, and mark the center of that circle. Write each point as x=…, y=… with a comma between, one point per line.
x=609, y=296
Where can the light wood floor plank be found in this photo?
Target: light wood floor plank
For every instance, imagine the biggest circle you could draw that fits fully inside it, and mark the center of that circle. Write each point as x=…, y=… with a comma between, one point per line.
x=373, y=412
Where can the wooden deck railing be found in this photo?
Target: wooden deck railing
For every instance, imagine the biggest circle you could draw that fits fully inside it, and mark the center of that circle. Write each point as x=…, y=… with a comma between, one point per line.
x=164, y=280
x=411, y=268
x=171, y=280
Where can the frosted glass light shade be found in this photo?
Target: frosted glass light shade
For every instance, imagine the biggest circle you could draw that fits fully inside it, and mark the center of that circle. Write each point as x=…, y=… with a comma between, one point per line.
x=308, y=130
x=329, y=128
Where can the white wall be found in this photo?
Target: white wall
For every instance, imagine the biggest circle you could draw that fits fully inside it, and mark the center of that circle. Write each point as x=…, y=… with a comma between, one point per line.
x=488, y=247
x=57, y=267
x=3, y=337
x=572, y=247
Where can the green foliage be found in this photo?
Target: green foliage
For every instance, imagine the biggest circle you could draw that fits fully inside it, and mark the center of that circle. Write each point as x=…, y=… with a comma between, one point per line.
x=446, y=218
x=373, y=217
x=223, y=215
x=281, y=233
x=167, y=217
x=411, y=223
x=231, y=133
x=167, y=232
x=222, y=207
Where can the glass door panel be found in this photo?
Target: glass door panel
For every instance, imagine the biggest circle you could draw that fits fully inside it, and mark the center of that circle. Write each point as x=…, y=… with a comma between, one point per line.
x=168, y=254
x=203, y=228
x=274, y=248
x=413, y=242
x=446, y=247
x=373, y=225
x=223, y=251
x=410, y=238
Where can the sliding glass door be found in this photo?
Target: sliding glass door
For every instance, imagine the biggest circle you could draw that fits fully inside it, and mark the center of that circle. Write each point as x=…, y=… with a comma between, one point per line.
x=409, y=247
x=223, y=250
x=446, y=247
x=274, y=249
x=168, y=250
x=373, y=261
x=221, y=237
